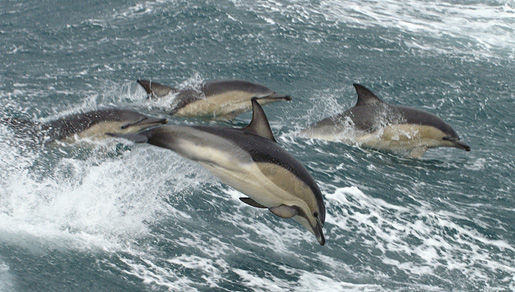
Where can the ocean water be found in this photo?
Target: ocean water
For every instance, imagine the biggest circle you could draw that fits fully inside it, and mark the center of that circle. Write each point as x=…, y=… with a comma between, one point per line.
x=108, y=216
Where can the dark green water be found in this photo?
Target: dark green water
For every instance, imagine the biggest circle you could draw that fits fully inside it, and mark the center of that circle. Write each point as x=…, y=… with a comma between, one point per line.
x=109, y=217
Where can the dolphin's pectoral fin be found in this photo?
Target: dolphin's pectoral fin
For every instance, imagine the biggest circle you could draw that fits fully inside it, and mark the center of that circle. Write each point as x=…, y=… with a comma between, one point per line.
x=251, y=202
x=284, y=211
x=136, y=138
x=259, y=125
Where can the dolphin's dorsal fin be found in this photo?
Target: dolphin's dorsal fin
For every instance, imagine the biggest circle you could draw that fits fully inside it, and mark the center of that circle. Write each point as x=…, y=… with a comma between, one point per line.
x=154, y=89
x=365, y=96
x=259, y=125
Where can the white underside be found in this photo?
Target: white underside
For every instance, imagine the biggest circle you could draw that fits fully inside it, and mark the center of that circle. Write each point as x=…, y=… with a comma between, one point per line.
x=249, y=180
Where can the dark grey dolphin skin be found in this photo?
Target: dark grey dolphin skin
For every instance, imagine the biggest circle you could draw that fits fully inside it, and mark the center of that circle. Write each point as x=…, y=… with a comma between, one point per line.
x=402, y=127
x=249, y=160
x=93, y=124
x=216, y=99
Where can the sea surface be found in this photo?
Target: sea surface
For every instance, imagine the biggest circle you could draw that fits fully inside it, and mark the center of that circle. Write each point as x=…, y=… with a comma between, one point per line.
x=114, y=216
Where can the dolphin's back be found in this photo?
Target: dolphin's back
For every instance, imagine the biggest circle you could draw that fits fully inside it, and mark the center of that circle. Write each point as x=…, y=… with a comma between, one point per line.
x=219, y=87
x=415, y=116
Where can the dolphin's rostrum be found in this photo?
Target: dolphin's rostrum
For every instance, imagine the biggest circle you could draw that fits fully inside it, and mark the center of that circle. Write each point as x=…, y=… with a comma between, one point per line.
x=250, y=161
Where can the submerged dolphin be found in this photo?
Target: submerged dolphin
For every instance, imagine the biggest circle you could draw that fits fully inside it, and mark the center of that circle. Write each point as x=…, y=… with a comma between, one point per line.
x=218, y=99
x=379, y=125
x=249, y=160
x=93, y=124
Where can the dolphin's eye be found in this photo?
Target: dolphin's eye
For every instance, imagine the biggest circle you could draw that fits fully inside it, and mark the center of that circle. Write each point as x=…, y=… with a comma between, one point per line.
x=315, y=214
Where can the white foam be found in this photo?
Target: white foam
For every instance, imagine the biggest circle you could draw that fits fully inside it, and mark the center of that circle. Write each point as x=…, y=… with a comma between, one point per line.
x=212, y=269
x=270, y=283
x=445, y=27
x=6, y=279
x=431, y=239
x=479, y=164
x=316, y=282
x=97, y=201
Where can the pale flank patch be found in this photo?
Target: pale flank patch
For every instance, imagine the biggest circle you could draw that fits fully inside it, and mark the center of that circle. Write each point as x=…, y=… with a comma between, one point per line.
x=227, y=104
x=289, y=182
x=99, y=130
x=408, y=137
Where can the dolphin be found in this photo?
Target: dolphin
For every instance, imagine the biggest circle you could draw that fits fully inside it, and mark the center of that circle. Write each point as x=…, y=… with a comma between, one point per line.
x=379, y=125
x=249, y=160
x=223, y=99
x=93, y=124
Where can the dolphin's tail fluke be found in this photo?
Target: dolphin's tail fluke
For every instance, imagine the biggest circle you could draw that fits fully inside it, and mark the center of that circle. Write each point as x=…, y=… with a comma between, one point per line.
x=17, y=123
x=26, y=129
x=22, y=126
x=155, y=89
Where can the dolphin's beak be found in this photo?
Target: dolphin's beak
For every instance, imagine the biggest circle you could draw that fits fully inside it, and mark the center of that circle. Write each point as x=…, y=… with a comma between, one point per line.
x=275, y=96
x=457, y=143
x=145, y=122
x=462, y=145
x=319, y=233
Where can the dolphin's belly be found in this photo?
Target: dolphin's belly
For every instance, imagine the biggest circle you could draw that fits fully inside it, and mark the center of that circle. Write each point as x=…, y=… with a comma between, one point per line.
x=250, y=180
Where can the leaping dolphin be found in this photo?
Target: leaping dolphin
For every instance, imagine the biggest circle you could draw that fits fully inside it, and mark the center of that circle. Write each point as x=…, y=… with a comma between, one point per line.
x=376, y=124
x=249, y=160
x=93, y=124
x=224, y=99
